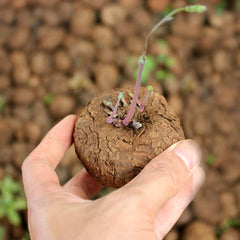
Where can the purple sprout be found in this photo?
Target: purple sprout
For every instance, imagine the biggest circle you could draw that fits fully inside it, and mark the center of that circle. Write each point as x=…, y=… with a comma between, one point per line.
x=110, y=119
x=135, y=101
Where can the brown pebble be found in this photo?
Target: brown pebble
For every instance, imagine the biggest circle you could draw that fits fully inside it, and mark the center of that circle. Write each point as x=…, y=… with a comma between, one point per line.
x=23, y=95
x=156, y=5
x=230, y=234
x=112, y=14
x=19, y=37
x=61, y=106
x=82, y=21
x=198, y=231
x=33, y=132
x=51, y=38
x=106, y=76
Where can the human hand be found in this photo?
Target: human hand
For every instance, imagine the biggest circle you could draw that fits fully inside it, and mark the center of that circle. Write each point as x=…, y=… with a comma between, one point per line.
x=145, y=208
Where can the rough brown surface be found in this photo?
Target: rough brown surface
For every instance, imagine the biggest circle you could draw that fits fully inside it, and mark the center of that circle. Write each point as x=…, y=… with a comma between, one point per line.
x=113, y=156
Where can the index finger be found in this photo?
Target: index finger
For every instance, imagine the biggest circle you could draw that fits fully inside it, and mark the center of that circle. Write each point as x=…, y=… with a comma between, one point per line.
x=38, y=168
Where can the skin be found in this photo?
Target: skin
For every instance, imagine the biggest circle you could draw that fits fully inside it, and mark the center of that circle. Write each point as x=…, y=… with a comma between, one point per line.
x=145, y=208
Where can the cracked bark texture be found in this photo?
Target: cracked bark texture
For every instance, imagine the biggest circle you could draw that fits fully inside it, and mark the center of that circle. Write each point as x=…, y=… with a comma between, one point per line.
x=113, y=156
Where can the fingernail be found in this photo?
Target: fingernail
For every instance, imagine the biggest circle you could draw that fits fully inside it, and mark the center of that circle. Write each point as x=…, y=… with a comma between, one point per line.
x=189, y=151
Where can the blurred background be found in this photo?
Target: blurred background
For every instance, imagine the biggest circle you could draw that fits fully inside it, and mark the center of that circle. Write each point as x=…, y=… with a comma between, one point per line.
x=56, y=55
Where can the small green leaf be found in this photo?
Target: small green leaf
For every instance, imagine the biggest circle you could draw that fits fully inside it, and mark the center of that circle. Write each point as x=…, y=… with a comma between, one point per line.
x=150, y=89
x=198, y=8
x=238, y=5
x=26, y=236
x=48, y=98
x=2, y=231
x=192, y=1
x=166, y=60
x=163, y=43
x=167, y=10
x=13, y=217
x=161, y=74
x=20, y=204
x=210, y=159
x=2, y=102
x=11, y=185
x=121, y=94
x=221, y=7
x=2, y=211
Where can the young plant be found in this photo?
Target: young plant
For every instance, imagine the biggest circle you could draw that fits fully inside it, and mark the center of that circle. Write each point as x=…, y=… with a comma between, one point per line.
x=143, y=129
x=227, y=224
x=48, y=98
x=12, y=200
x=113, y=118
x=2, y=102
x=2, y=232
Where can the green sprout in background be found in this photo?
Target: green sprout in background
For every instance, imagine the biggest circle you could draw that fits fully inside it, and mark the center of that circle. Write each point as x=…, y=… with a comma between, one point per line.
x=152, y=64
x=210, y=159
x=191, y=1
x=2, y=232
x=12, y=200
x=228, y=223
x=48, y=98
x=238, y=5
x=222, y=7
x=2, y=102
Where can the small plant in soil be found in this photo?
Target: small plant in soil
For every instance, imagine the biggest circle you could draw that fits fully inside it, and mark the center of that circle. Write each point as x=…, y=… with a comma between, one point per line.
x=12, y=200
x=121, y=130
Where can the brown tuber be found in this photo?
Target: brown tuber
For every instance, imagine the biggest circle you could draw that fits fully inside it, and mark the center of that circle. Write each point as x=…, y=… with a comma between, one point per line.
x=113, y=156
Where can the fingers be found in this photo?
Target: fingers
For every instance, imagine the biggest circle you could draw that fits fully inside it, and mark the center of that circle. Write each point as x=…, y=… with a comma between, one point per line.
x=38, y=168
x=165, y=175
x=172, y=209
x=83, y=185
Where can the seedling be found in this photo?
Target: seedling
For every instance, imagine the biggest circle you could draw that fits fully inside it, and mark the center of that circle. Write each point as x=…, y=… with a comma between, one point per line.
x=2, y=102
x=221, y=7
x=210, y=159
x=48, y=98
x=151, y=65
x=113, y=118
x=238, y=5
x=2, y=232
x=121, y=130
x=12, y=200
x=228, y=223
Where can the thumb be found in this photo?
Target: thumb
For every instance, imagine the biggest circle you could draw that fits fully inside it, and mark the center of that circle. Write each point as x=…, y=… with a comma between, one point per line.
x=165, y=175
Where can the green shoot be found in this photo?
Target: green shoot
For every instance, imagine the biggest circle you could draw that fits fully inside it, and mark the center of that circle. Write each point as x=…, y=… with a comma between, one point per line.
x=2, y=232
x=2, y=102
x=26, y=236
x=238, y=5
x=191, y=1
x=167, y=10
x=48, y=98
x=164, y=75
x=221, y=7
x=229, y=223
x=210, y=159
x=12, y=200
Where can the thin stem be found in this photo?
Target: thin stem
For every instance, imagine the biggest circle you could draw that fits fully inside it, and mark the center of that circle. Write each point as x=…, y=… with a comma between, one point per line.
x=165, y=19
x=146, y=98
x=131, y=110
x=114, y=112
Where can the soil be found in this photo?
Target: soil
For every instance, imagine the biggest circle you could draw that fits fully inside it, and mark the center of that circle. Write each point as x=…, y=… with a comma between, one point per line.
x=113, y=155
x=56, y=56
